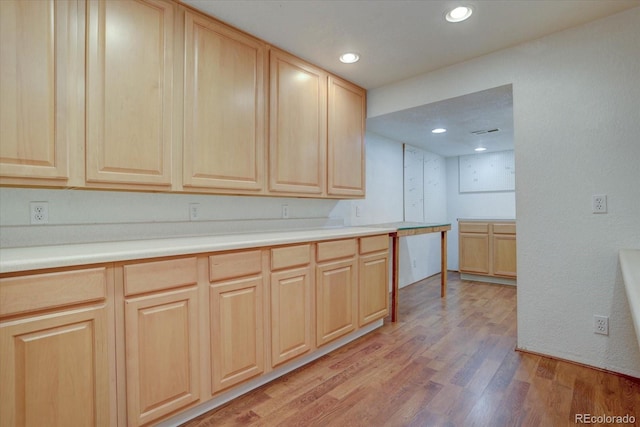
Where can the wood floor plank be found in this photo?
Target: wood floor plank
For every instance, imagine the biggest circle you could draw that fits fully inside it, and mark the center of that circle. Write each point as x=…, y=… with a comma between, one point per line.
x=447, y=362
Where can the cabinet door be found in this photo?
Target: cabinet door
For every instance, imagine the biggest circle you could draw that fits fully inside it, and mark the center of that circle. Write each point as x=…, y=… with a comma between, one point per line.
x=161, y=354
x=129, y=84
x=55, y=369
x=37, y=81
x=224, y=110
x=298, y=126
x=290, y=314
x=373, y=295
x=336, y=293
x=474, y=253
x=346, y=155
x=237, y=337
x=504, y=255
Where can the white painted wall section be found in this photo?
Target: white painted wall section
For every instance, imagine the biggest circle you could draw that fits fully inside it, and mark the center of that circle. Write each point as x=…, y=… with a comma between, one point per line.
x=576, y=97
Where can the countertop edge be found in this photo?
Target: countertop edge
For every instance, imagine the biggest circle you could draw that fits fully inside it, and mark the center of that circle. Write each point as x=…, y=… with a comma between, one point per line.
x=630, y=265
x=487, y=219
x=14, y=260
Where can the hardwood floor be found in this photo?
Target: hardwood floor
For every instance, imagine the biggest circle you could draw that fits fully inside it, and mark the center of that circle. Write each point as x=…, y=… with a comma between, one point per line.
x=446, y=362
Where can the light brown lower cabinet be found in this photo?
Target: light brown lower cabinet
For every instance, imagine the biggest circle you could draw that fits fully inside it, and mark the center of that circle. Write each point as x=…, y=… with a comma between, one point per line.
x=161, y=338
x=236, y=310
x=135, y=342
x=373, y=279
x=56, y=339
x=487, y=248
x=291, y=303
x=336, y=290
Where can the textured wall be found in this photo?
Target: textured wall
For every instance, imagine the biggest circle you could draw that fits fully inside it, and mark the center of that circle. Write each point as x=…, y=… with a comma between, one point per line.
x=577, y=121
x=500, y=204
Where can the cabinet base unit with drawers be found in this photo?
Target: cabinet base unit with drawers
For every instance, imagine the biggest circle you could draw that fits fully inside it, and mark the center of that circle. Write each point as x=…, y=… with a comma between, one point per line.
x=487, y=250
x=139, y=339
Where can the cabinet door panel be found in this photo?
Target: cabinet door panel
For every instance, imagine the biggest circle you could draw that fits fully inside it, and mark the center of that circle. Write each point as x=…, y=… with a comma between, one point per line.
x=55, y=370
x=504, y=255
x=36, y=83
x=346, y=156
x=129, y=84
x=373, y=292
x=336, y=293
x=224, y=107
x=290, y=314
x=237, y=337
x=298, y=119
x=162, y=354
x=474, y=253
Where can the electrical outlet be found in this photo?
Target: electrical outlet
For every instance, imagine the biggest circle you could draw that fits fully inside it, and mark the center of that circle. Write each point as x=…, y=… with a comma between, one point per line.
x=413, y=262
x=358, y=211
x=599, y=203
x=285, y=211
x=601, y=324
x=39, y=212
x=194, y=211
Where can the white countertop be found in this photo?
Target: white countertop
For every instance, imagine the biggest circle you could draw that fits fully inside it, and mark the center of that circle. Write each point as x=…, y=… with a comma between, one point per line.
x=630, y=265
x=488, y=219
x=38, y=257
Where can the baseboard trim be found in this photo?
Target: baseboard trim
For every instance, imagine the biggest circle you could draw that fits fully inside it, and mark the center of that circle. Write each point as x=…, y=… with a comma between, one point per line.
x=583, y=365
x=488, y=279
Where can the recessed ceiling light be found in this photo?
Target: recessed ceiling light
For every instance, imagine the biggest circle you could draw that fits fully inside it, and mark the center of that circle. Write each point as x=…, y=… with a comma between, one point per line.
x=439, y=130
x=459, y=14
x=480, y=149
x=349, y=57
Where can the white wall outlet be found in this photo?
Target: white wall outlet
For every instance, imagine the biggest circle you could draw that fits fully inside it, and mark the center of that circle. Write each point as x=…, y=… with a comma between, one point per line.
x=39, y=212
x=358, y=210
x=285, y=211
x=414, y=263
x=601, y=324
x=599, y=203
x=194, y=211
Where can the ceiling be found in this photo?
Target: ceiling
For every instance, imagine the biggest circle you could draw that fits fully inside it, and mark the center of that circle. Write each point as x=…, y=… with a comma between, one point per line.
x=481, y=112
x=399, y=39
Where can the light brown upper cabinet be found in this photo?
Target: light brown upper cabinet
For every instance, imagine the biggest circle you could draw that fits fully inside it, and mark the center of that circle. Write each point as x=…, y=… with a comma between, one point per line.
x=38, y=83
x=346, y=124
x=224, y=107
x=298, y=120
x=150, y=95
x=129, y=93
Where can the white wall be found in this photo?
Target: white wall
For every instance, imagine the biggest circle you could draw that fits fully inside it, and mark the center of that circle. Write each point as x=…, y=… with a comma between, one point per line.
x=496, y=205
x=576, y=98
x=383, y=202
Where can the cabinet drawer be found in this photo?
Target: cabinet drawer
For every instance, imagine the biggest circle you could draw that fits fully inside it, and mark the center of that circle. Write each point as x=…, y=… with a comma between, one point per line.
x=336, y=249
x=158, y=275
x=41, y=291
x=290, y=256
x=473, y=227
x=234, y=264
x=504, y=228
x=374, y=244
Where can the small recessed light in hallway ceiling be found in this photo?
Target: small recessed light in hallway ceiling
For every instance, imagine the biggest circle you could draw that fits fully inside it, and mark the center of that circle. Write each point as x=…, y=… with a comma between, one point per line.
x=349, y=57
x=459, y=14
x=480, y=149
x=439, y=130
